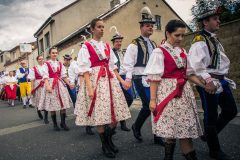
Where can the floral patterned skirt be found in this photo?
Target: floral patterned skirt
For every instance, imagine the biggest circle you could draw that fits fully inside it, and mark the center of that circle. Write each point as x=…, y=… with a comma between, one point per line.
x=59, y=99
x=38, y=96
x=179, y=118
x=101, y=114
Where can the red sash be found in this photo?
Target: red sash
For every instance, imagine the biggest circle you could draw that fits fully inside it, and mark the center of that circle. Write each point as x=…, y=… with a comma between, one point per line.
x=104, y=70
x=56, y=79
x=171, y=71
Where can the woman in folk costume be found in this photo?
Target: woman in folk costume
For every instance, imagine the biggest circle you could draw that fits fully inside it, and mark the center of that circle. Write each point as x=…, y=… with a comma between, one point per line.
x=11, y=88
x=38, y=94
x=172, y=103
x=56, y=97
x=3, y=95
x=100, y=101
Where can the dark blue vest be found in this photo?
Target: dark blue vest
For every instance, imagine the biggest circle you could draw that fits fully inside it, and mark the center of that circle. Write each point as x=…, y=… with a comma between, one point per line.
x=142, y=55
x=24, y=79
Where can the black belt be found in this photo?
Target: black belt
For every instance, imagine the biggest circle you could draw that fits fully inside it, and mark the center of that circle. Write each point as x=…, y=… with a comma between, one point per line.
x=138, y=76
x=221, y=77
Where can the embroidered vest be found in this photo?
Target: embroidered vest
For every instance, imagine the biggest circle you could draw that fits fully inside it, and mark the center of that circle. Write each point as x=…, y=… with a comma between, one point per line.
x=142, y=55
x=24, y=78
x=212, y=48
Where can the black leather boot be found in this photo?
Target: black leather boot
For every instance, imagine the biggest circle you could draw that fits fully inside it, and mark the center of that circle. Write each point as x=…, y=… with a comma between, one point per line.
x=63, y=124
x=39, y=114
x=109, y=134
x=136, y=127
x=136, y=133
x=55, y=126
x=46, y=117
x=89, y=130
x=191, y=155
x=124, y=126
x=158, y=140
x=169, y=151
x=105, y=147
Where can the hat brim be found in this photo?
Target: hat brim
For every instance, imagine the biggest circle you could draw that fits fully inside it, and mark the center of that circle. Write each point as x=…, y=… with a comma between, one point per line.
x=117, y=38
x=152, y=22
x=207, y=16
x=68, y=58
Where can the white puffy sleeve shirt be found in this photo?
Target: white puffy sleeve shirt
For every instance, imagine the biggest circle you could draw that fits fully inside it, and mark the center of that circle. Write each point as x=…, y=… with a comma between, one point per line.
x=155, y=66
x=73, y=71
x=199, y=60
x=19, y=74
x=54, y=65
x=31, y=75
x=10, y=79
x=84, y=57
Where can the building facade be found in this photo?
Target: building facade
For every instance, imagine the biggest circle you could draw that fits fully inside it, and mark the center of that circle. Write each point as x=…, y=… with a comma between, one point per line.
x=15, y=56
x=64, y=28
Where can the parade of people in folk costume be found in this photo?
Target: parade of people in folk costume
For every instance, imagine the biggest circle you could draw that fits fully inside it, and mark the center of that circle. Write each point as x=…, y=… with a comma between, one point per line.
x=99, y=85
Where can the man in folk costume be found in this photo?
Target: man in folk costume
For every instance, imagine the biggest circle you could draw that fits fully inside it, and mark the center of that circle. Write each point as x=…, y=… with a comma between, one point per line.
x=117, y=44
x=66, y=63
x=209, y=61
x=135, y=61
x=24, y=83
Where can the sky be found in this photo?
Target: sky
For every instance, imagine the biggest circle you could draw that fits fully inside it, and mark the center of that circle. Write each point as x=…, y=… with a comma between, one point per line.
x=20, y=19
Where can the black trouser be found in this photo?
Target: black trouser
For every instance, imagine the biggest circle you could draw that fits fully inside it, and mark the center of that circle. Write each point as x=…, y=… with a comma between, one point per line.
x=72, y=93
x=144, y=94
x=127, y=94
x=214, y=122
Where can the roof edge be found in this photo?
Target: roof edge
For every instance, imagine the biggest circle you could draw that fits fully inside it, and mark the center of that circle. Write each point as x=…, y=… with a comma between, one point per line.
x=177, y=15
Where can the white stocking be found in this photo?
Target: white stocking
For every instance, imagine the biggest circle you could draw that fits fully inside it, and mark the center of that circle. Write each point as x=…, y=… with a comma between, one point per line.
x=24, y=99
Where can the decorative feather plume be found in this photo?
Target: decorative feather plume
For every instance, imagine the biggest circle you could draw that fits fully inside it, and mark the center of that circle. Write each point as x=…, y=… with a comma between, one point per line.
x=88, y=32
x=115, y=28
x=146, y=11
x=72, y=52
x=84, y=37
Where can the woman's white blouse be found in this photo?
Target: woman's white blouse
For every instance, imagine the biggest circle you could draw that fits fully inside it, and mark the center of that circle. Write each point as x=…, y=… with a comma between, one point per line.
x=10, y=79
x=155, y=66
x=54, y=65
x=84, y=61
x=31, y=75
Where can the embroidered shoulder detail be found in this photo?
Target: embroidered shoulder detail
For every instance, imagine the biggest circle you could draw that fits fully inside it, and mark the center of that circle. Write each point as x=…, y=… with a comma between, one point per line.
x=134, y=42
x=198, y=38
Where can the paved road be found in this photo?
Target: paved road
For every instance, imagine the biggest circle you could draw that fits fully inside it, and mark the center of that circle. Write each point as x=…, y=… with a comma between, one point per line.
x=24, y=137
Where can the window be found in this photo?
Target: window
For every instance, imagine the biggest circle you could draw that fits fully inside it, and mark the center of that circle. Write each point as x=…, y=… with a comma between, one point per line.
x=41, y=48
x=1, y=58
x=13, y=55
x=158, y=22
x=47, y=40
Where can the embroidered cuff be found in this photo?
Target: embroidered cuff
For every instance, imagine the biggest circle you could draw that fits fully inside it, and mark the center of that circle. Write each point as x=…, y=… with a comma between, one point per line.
x=153, y=78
